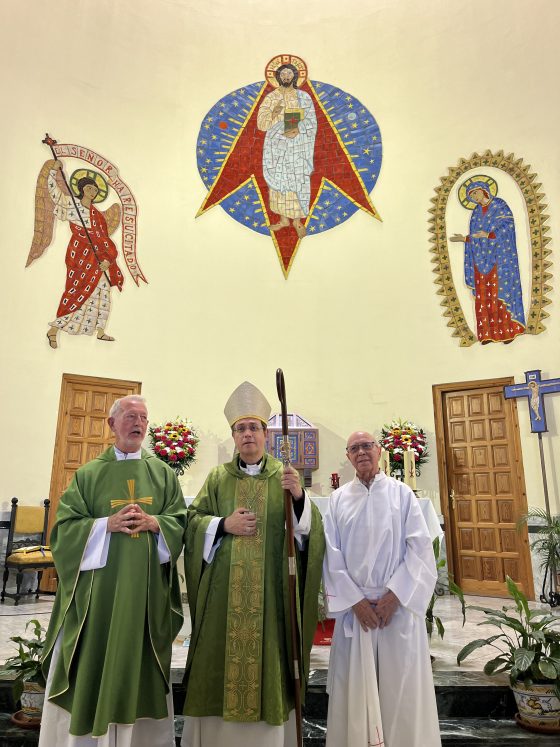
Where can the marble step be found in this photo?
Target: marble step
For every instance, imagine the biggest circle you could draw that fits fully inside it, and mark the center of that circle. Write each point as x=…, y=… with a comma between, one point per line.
x=459, y=732
x=464, y=694
x=473, y=711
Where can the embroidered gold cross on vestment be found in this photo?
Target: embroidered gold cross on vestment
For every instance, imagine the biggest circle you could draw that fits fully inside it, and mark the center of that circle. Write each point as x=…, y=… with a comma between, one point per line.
x=131, y=499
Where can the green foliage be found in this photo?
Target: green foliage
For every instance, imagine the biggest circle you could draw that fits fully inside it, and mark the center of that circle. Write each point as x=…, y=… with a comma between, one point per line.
x=26, y=665
x=528, y=643
x=454, y=589
x=547, y=544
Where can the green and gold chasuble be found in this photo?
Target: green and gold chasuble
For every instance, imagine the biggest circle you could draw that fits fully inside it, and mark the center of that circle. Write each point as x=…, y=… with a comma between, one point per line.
x=118, y=622
x=240, y=666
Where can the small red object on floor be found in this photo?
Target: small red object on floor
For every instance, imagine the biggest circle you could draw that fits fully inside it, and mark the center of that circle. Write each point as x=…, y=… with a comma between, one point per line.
x=324, y=633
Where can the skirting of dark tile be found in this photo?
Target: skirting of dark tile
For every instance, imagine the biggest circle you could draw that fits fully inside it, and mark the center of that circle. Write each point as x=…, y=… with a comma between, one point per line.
x=13, y=736
x=473, y=732
x=458, y=694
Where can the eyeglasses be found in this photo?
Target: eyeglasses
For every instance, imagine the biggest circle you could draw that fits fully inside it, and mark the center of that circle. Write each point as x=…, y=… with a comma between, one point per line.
x=132, y=417
x=253, y=427
x=363, y=445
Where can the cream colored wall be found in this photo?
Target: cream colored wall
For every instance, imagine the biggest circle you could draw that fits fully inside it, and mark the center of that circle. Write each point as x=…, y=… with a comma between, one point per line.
x=357, y=326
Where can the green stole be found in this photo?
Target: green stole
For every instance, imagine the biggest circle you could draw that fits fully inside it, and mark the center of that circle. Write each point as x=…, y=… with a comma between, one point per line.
x=118, y=621
x=240, y=664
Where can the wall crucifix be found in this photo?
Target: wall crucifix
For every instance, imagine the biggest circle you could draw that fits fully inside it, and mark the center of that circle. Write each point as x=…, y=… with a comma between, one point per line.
x=535, y=390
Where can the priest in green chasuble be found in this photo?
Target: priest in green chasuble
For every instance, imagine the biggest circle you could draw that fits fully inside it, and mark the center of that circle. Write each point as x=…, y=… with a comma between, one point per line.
x=118, y=533
x=239, y=677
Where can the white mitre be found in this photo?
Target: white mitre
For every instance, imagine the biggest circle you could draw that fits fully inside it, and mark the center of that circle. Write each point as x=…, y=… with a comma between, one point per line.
x=247, y=402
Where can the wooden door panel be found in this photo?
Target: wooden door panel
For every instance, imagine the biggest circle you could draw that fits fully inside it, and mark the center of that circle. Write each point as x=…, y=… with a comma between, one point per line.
x=478, y=430
x=481, y=470
x=476, y=404
x=456, y=406
x=503, y=483
x=82, y=433
x=484, y=512
x=482, y=483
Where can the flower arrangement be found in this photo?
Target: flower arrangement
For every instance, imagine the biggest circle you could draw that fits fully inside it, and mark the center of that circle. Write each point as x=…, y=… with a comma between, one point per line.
x=175, y=443
x=400, y=436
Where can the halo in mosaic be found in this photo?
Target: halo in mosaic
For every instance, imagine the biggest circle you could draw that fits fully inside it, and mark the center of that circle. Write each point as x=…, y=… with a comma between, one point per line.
x=340, y=157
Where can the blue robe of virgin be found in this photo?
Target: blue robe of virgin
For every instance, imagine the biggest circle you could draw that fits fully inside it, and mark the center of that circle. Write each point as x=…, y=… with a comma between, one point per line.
x=500, y=251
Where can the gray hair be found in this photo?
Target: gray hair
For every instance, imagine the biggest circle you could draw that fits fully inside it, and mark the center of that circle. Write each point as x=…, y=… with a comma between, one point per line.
x=117, y=404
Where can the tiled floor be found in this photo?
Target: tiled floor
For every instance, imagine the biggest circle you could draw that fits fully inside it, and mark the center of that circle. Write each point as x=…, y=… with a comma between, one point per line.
x=13, y=620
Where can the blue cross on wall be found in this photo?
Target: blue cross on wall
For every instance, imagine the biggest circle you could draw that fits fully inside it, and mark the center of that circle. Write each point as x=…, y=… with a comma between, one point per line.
x=534, y=389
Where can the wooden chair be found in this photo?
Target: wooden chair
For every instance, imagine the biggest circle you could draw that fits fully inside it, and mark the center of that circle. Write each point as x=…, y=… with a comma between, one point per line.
x=28, y=528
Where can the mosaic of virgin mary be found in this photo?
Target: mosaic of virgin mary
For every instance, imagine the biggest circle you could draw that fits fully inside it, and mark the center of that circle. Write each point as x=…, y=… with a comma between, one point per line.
x=491, y=262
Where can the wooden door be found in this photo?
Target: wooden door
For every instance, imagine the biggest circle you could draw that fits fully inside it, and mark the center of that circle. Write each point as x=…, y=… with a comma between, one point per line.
x=82, y=433
x=482, y=486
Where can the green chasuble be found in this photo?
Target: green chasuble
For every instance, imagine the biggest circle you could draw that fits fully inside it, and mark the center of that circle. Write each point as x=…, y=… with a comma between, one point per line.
x=240, y=666
x=118, y=621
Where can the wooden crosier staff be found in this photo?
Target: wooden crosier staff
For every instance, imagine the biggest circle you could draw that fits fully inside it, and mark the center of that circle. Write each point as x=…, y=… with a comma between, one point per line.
x=51, y=142
x=288, y=508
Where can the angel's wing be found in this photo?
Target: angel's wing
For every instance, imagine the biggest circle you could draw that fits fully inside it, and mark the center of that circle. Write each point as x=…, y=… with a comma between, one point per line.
x=113, y=217
x=44, y=213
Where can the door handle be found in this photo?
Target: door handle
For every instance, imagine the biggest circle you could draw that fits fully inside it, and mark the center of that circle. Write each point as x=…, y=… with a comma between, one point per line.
x=452, y=499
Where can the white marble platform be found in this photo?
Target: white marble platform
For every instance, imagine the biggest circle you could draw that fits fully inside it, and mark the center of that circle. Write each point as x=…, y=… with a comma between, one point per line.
x=13, y=619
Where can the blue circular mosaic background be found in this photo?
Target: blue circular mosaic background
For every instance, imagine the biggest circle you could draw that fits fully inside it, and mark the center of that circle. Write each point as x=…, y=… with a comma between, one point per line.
x=354, y=123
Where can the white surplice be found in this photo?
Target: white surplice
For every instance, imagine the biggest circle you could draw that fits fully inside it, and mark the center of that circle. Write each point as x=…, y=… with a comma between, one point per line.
x=55, y=721
x=380, y=684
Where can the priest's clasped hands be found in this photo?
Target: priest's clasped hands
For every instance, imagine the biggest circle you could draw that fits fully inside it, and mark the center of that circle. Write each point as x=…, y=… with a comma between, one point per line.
x=131, y=519
x=377, y=613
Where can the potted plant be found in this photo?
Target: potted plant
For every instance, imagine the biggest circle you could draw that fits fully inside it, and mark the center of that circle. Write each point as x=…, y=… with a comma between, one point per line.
x=528, y=649
x=25, y=667
x=453, y=588
x=547, y=545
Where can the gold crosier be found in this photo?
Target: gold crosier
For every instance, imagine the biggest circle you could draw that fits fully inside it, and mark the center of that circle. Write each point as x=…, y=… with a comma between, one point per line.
x=131, y=499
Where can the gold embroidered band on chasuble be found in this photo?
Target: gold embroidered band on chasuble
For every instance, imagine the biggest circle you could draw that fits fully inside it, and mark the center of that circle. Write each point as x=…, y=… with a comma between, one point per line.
x=245, y=614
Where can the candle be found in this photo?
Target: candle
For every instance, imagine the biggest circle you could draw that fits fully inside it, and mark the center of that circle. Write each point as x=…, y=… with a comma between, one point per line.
x=385, y=462
x=410, y=469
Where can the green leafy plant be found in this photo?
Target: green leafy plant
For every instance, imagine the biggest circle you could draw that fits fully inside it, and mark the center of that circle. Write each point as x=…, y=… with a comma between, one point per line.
x=454, y=589
x=26, y=665
x=547, y=546
x=528, y=643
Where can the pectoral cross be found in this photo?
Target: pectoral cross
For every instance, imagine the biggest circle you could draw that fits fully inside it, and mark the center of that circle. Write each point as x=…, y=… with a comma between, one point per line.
x=130, y=500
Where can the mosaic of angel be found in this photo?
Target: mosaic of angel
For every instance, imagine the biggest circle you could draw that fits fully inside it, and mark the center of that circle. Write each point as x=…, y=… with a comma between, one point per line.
x=91, y=255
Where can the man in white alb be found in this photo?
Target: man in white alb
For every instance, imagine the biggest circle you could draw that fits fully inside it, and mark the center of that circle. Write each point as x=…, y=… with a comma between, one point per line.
x=379, y=576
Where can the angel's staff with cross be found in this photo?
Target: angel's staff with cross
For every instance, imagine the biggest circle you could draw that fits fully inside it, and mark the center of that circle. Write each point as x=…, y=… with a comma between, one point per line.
x=91, y=266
